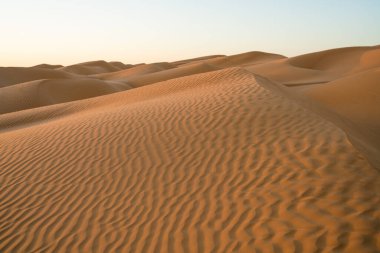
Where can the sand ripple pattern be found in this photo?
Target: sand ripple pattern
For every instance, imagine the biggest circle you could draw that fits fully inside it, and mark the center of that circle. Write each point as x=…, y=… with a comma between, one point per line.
x=206, y=163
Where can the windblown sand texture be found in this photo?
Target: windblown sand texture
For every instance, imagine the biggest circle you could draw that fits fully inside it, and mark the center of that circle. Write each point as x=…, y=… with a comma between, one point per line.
x=245, y=153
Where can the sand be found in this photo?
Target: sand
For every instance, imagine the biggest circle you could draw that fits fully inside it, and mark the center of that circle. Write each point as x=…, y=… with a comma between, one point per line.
x=141, y=69
x=15, y=75
x=47, y=92
x=198, y=157
x=93, y=67
x=340, y=84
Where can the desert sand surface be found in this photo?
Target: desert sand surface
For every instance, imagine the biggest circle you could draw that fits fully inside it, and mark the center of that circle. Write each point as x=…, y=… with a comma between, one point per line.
x=15, y=75
x=254, y=152
x=138, y=70
x=46, y=92
x=93, y=67
x=341, y=84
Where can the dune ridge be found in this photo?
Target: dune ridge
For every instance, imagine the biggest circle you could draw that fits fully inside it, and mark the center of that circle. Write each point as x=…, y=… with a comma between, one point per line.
x=15, y=75
x=340, y=84
x=47, y=92
x=93, y=67
x=48, y=66
x=195, y=157
x=138, y=70
x=319, y=67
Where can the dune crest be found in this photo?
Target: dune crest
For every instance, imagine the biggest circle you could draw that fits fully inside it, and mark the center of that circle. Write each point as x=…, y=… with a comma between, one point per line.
x=340, y=84
x=48, y=66
x=15, y=75
x=93, y=67
x=47, y=92
x=141, y=69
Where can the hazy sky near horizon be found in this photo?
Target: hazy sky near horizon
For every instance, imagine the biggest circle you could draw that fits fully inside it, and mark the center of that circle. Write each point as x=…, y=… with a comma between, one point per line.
x=73, y=31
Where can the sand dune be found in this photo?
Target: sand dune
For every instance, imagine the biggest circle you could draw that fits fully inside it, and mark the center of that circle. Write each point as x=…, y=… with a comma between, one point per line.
x=340, y=84
x=199, y=157
x=90, y=68
x=159, y=76
x=14, y=75
x=197, y=59
x=48, y=66
x=354, y=96
x=340, y=61
x=249, y=58
x=356, y=101
x=121, y=65
x=47, y=92
x=138, y=70
x=320, y=67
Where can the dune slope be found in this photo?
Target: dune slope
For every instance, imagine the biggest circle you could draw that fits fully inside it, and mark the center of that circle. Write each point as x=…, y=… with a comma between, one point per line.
x=342, y=85
x=211, y=162
x=138, y=70
x=93, y=67
x=159, y=76
x=355, y=100
x=14, y=75
x=319, y=67
x=48, y=66
x=47, y=92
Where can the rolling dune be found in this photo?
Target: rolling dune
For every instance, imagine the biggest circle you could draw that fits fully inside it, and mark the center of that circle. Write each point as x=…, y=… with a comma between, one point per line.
x=121, y=65
x=14, y=75
x=319, y=67
x=138, y=70
x=197, y=59
x=340, y=84
x=249, y=58
x=47, y=92
x=181, y=71
x=340, y=61
x=48, y=66
x=93, y=67
x=200, y=155
x=354, y=105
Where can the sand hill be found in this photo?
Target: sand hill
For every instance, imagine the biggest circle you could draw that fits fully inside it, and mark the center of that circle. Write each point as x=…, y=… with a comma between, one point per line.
x=340, y=84
x=14, y=75
x=48, y=66
x=46, y=92
x=217, y=154
x=138, y=70
x=93, y=67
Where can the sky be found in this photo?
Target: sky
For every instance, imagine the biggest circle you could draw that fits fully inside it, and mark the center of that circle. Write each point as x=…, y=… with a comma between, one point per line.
x=72, y=31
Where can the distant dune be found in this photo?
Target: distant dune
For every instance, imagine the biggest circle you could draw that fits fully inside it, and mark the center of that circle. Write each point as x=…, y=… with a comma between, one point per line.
x=341, y=84
x=14, y=75
x=197, y=59
x=171, y=73
x=94, y=67
x=254, y=152
x=48, y=66
x=138, y=70
x=46, y=92
x=120, y=65
x=321, y=66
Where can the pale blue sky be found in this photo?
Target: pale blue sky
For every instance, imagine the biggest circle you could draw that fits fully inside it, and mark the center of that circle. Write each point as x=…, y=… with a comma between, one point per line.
x=72, y=31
